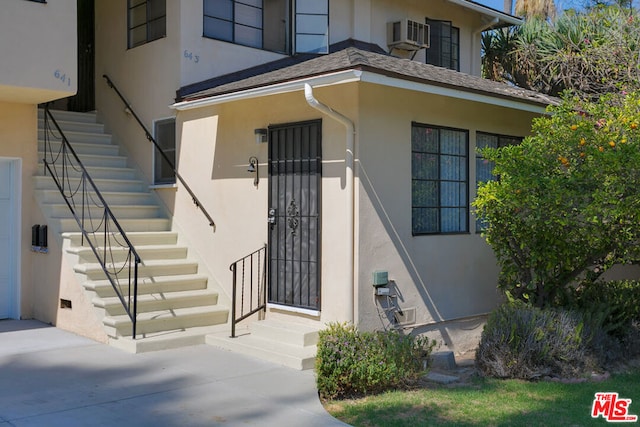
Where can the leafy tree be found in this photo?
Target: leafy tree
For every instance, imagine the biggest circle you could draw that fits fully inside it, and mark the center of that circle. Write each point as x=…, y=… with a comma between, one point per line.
x=566, y=204
x=590, y=52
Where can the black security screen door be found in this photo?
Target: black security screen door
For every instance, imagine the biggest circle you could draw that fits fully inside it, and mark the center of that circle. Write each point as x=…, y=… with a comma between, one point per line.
x=294, y=213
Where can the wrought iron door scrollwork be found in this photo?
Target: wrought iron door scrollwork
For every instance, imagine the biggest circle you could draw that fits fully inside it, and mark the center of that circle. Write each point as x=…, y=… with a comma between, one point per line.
x=293, y=216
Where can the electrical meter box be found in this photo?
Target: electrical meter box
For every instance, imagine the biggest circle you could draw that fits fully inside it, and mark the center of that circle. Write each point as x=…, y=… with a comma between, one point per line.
x=380, y=278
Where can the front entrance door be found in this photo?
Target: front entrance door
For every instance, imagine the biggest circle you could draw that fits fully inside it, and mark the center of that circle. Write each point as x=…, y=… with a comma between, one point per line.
x=295, y=173
x=84, y=100
x=8, y=246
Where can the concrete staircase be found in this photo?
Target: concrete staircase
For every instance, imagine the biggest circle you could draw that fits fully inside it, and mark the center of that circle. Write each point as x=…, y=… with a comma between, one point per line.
x=284, y=343
x=177, y=303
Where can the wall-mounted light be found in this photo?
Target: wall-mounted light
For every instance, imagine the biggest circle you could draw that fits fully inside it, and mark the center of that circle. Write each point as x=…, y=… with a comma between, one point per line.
x=254, y=167
x=262, y=135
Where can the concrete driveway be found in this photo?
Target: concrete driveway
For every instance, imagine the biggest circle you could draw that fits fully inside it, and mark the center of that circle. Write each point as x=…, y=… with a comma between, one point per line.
x=49, y=377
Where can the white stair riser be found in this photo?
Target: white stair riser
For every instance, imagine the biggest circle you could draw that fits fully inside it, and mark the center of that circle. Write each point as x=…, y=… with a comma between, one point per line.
x=74, y=137
x=167, y=324
x=96, y=213
x=148, y=224
x=112, y=198
x=136, y=239
x=300, y=359
x=80, y=148
x=89, y=160
x=104, y=289
x=167, y=269
x=70, y=116
x=98, y=172
x=116, y=308
x=120, y=254
x=106, y=185
x=75, y=126
x=302, y=339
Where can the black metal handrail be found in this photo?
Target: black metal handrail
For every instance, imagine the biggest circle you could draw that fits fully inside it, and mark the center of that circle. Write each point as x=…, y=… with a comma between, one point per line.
x=151, y=139
x=100, y=229
x=254, y=266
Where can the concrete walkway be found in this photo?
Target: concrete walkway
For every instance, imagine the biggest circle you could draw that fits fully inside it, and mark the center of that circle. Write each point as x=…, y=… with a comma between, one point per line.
x=49, y=377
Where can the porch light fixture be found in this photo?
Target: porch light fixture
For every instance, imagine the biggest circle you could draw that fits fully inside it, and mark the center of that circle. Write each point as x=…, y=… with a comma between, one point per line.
x=254, y=168
x=261, y=135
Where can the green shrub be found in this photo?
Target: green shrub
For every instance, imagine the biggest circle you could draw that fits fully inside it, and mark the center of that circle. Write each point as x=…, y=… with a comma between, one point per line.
x=521, y=341
x=350, y=362
x=613, y=306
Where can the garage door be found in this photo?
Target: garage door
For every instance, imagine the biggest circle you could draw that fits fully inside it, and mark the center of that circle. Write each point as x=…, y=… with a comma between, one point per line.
x=8, y=249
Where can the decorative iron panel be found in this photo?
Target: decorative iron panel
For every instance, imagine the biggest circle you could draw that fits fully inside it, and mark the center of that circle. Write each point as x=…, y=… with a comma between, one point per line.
x=295, y=173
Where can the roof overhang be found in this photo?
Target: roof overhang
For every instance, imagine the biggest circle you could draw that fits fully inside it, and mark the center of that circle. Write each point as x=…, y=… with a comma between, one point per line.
x=503, y=19
x=358, y=75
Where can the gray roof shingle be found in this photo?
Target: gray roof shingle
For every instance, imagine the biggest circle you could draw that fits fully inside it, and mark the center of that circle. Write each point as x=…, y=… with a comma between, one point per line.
x=358, y=56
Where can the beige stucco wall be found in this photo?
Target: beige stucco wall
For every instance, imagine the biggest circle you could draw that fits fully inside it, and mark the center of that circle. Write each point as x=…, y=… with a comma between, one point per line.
x=446, y=280
x=441, y=277
x=147, y=75
x=38, y=51
x=216, y=145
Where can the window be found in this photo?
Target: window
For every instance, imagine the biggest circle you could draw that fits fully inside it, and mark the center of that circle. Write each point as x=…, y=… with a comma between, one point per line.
x=439, y=175
x=165, y=136
x=444, y=45
x=147, y=21
x=265, y=24
x=484, y=168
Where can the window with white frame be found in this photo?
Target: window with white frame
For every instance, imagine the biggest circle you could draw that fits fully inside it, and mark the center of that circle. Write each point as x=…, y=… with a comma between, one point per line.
x=439, y=179
x=165, y=136
x=484, y=167
x=444, y=44
x=146, y=21
x=266, y=24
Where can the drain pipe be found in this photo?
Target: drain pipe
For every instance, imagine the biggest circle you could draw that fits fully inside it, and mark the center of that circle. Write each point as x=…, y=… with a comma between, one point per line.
x=484, y=27
x=349, y=186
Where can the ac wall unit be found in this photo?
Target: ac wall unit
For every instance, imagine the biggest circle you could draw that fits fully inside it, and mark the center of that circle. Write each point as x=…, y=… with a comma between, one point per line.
x=407, y=35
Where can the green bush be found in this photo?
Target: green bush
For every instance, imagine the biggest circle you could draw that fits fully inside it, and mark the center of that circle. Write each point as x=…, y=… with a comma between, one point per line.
x=350, y=362
x=521, y=341
x=613, y=306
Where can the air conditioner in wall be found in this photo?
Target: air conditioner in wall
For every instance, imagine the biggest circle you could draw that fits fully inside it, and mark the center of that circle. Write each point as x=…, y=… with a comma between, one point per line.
x=407, y=35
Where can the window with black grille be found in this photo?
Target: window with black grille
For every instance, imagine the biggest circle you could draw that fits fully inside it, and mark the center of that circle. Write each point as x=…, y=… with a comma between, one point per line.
x=439, y=179
x=146, y=21
x=444, y=45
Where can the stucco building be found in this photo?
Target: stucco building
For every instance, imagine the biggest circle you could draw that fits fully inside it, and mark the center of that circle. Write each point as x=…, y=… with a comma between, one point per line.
x=334, y=140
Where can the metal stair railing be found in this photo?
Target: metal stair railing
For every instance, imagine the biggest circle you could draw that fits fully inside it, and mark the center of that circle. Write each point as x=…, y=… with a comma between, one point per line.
x=99, y=227
x=159, y=149
x=253, y=279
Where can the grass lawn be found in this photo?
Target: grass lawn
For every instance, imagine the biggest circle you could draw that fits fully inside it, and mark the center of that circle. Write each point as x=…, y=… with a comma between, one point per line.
x=489, y=402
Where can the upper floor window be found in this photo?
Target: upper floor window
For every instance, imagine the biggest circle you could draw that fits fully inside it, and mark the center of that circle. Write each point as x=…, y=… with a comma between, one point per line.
x=484, y=168
x=444, y=45
x=439, y=179
x=266, y=24
x=147, y=21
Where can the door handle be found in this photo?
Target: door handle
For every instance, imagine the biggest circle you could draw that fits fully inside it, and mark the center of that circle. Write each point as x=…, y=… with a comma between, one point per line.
x=272, y=216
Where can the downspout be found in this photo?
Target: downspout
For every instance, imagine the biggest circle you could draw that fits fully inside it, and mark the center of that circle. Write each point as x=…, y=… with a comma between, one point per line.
x=349, y=186
x=484, y=27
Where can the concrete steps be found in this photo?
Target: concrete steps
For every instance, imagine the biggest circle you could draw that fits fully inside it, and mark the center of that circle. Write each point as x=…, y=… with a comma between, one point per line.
x=289, y=344
x=177, y=304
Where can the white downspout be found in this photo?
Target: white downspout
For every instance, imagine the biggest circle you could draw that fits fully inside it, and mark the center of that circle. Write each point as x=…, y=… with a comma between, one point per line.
x=349, y=186
x=475, y=33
